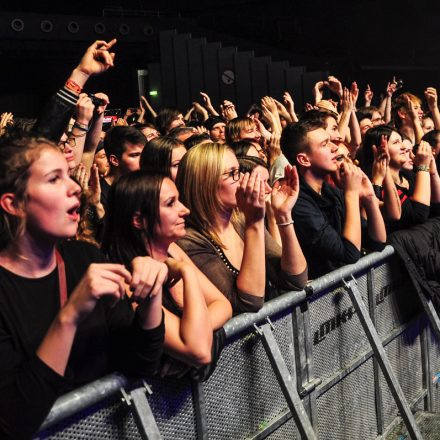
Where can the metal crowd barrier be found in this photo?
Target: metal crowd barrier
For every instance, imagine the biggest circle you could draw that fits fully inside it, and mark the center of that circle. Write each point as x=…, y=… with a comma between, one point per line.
x=350, y=357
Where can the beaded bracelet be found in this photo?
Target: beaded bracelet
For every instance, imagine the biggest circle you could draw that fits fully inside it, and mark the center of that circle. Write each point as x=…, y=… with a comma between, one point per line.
x=422, y=168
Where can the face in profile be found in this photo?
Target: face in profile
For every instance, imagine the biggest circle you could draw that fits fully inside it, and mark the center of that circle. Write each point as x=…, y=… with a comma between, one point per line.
x=101, y=162
x=427, y=125
x=150, y=133
x=176, y=156
x=177, y=122
x=321, y=157
x=130, y=157
x=52, y=202
x=172, y=213
x=228, y=182
x=364, y=126
x=398, y=151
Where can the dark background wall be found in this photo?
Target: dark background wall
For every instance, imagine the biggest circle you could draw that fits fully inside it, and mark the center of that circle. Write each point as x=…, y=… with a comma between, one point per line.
x=365, y=40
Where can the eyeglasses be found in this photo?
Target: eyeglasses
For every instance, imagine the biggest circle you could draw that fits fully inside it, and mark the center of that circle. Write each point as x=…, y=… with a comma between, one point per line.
x=70, y=142
x=233, y=174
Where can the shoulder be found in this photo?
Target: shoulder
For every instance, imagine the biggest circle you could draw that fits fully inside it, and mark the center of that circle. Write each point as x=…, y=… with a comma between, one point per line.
x=194, y=240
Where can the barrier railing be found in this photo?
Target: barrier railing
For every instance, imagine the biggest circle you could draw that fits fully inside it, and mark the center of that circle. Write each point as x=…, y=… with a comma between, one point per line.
x=346, y=358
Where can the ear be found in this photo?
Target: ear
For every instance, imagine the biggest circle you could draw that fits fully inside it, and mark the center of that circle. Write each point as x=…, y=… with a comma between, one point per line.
x=138, y=222
x=402, y=114
x=303, y=160
x=114, y=161
x=7, y=202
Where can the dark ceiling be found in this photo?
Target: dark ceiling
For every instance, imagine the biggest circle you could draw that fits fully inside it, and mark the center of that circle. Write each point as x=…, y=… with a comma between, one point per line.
x=366, y=40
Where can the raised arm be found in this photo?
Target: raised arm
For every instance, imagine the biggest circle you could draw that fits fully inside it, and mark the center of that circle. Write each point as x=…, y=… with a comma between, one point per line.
x=55, y=116
x=431, y=99
x=284, y=196
x=208, y=104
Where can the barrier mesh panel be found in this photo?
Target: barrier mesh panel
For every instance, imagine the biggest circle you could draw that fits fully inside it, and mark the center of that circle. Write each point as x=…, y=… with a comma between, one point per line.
x=395, y=298
x=286, y=431
x=338, y=337
x=347, y=410
x=110, y=420
x=434, y=351
x=405, y=357
x=243, y=395
x=172, y=407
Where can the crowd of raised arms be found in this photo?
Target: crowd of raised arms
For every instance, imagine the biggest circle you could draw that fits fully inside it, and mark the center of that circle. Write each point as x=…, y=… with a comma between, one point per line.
x=128, y=249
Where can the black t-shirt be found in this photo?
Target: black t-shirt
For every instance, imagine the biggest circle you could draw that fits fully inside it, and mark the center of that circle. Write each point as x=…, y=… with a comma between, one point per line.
x=108, y=339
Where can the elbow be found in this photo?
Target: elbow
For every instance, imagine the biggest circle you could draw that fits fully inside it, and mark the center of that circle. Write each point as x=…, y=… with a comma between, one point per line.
x=201, y=357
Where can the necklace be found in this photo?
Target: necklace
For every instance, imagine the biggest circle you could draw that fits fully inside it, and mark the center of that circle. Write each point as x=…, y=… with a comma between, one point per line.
x=223, y=257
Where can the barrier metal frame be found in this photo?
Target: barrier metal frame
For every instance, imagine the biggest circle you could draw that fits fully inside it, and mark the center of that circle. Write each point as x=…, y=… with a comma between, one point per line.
x=300, y=387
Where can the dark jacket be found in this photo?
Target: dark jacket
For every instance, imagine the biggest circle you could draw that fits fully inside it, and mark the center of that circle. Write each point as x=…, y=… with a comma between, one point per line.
x=55, y=116
x=419, y=250
x=319, y=223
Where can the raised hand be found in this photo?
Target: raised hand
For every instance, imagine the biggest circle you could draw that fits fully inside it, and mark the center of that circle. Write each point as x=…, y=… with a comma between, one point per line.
x=391, y=87
x=347, y=104
x=317, y=90
x=431, y=98
x=423, y=155
x=228, y=110
x=81, y=175
x=288, y=101
x=381, y=162
x=97, y=58
x=84, y=109
x=368, y=96
x=101, y=109
x=6, y=118
x=335, y=85
x=354, y=92
x=250, y=197
x=285, y=192
x=351, y=176
x=199, y=109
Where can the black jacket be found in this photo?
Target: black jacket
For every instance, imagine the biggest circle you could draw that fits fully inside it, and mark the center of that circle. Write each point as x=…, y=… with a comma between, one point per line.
x=319, y=222
x=419, y=250
x=56, y=114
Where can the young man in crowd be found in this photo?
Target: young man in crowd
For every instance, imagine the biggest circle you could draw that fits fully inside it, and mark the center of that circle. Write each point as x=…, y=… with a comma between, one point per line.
x=327, y=219
x=123, y=147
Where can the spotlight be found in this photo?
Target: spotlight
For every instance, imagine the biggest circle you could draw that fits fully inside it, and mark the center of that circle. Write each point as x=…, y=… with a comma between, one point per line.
x=17, y=24
x=124, y=29
x=46, y=26
x=73, y=27
x=99, y=28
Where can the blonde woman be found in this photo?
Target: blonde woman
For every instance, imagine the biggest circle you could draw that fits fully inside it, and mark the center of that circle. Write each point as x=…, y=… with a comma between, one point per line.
x=226, y=237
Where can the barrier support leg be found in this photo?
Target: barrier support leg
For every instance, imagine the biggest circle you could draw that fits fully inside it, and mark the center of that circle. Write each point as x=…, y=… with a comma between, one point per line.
x=303, y=355
x=287, y=383
x=142, y=414
x=382, y=359
x=376, y=367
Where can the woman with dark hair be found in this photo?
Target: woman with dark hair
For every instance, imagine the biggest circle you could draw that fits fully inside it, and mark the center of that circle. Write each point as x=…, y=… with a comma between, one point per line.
x=230, y=245
x=146, y=219
x=162, y=155
x=167, y=119
x=413, y=188
x=64, y=316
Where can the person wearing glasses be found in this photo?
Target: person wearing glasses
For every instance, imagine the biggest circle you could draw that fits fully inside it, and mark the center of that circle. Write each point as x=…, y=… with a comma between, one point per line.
x=226, y=237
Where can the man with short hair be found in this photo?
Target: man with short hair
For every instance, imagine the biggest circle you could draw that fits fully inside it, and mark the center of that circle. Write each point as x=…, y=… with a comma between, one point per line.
x=123, y=146
x=327, y=219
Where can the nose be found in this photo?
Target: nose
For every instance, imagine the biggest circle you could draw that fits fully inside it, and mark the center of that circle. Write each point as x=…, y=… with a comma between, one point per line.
x=333, y=147
x=74, y=188
x=184, y=211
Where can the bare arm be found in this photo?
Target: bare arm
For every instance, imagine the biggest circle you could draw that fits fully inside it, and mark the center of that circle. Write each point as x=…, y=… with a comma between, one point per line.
x=422, y=189
x=284, y=196
x=431, y=98
x=351, y=178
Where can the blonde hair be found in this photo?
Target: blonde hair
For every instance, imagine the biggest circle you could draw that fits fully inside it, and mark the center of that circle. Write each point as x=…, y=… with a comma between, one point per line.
x=197, y=181
x=235, y=126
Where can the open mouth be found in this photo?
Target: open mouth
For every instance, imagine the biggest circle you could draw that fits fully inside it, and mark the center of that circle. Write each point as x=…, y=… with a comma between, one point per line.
x=73, y=212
